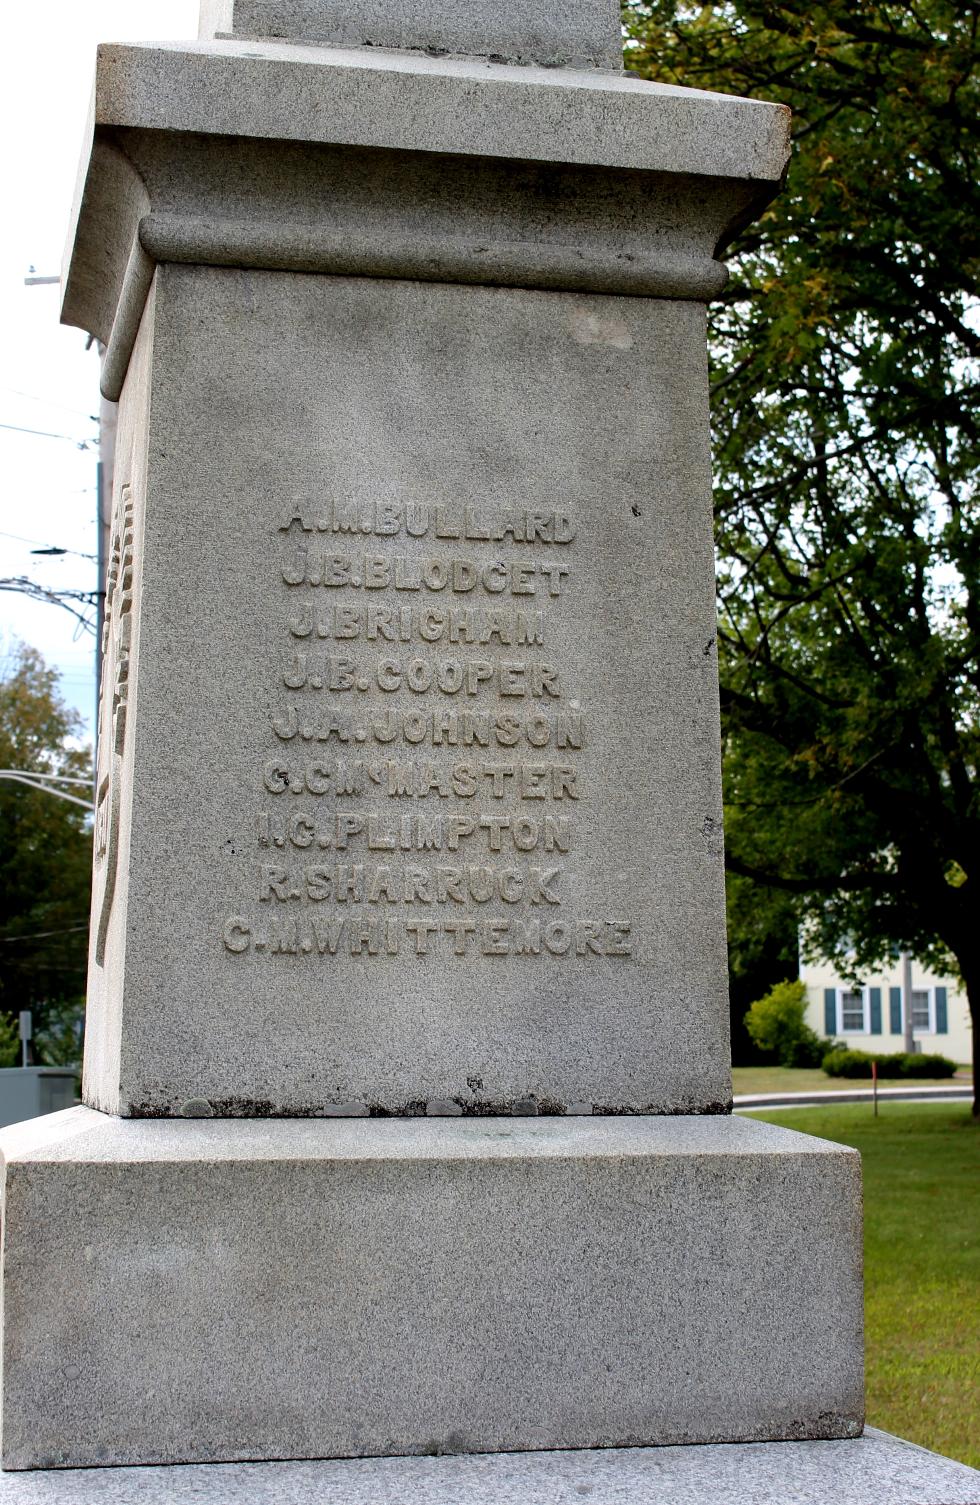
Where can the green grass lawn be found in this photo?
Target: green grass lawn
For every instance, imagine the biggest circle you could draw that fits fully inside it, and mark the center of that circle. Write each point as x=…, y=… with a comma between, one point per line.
x=922, y=1264
x=789, y=1079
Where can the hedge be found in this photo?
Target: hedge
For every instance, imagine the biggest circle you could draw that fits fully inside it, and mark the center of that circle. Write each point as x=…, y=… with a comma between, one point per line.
x=857, y=1063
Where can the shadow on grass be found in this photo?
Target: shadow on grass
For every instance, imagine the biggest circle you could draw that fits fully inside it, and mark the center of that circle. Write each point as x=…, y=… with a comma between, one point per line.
x=922, y=1264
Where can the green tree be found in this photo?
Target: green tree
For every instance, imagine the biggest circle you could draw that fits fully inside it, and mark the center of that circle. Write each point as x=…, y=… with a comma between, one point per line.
x=9, y=1042
x=844, y=377
x=763, y=946
x=45, y=846
x=777, y=1024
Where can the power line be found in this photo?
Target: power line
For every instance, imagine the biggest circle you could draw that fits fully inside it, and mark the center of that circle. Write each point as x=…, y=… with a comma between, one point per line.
x=65, y=598
x=49, y=402
x=40, y=935
x=57, y=778
x=20, y=539
x=16, y=428
x=61, y=794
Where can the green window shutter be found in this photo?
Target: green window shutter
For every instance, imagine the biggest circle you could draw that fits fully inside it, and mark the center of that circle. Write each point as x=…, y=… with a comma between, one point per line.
x=895, y=1010
x=830, y=1011
x=942, y=1022
x=875, y=998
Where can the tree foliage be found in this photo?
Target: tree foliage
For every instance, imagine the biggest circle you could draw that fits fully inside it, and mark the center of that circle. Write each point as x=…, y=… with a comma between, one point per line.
x=845, y=365
x=45, y=845
x=9, y=1042
x=777, y=1024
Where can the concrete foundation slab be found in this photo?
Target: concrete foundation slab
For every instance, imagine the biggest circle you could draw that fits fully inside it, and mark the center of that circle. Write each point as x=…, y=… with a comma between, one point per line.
x=221, y=1290
x=875, y=1469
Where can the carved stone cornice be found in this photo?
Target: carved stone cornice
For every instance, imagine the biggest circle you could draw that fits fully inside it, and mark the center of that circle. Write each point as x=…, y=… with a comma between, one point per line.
x=360, y=163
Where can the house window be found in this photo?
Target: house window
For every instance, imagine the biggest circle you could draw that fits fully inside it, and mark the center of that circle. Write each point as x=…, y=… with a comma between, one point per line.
x=852, y=1011
x=923, y=1021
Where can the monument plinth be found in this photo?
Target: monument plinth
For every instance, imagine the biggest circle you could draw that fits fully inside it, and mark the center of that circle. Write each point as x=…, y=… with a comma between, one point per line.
x=408, y=799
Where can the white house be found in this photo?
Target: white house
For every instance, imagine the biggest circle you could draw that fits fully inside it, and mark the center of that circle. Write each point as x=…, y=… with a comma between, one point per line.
x=869, y=1017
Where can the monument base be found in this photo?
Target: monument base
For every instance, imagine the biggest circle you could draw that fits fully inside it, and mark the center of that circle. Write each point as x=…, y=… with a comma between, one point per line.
x=875, y=1469
x=181, y=1291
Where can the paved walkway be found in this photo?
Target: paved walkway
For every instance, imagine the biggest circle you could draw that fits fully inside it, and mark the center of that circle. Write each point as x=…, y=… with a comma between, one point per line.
x=956, y=1092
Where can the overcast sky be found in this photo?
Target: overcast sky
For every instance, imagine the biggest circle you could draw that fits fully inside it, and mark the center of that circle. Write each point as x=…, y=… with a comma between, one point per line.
x=48, y=381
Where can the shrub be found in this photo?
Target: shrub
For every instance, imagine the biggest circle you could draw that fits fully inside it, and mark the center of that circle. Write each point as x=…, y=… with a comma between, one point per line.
x=9, y=1041
x=857, y=1064
x=808, y=1051
x=847, y=1063
x=928, y=1066
x=59, y=1040
x=776, y=1023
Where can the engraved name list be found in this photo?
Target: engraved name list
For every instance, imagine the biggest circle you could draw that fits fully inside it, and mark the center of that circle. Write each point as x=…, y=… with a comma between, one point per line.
x=423, y=776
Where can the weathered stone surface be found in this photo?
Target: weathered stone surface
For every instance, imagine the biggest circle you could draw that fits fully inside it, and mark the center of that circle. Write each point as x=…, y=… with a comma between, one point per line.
x=580, y=33
x=874, y=1469
x=408, y=794
x=417, y=798
x=363, y=97
x=497, y=403
x=443, y=170
x=193, y=1291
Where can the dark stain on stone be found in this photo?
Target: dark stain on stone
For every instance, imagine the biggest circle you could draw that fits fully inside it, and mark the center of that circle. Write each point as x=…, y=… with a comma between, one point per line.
x=654, y=1110
x=413, y=1109
x=522, y=1107
x=635, y=510
x=222, y=1107
x=550, y=1107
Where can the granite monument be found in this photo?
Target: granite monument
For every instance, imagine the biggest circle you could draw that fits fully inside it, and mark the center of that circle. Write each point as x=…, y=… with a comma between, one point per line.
x=407, y=1123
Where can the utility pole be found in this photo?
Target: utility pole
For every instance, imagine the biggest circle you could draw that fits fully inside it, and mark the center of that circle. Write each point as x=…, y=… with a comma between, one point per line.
x=26, y=1034
x=108, y=413
x=907, y=1002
